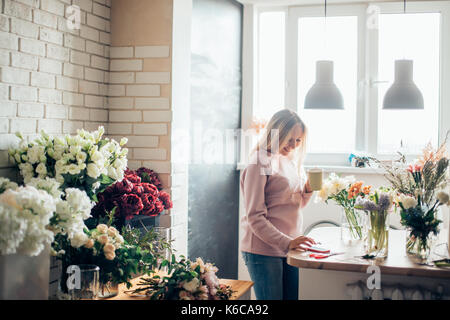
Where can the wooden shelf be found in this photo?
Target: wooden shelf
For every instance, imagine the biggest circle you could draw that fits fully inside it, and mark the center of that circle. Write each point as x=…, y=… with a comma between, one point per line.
x=397, y=262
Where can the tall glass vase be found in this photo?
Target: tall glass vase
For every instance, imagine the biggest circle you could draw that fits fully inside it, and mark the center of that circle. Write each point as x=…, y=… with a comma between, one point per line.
x=377, y=239
x=352, y=225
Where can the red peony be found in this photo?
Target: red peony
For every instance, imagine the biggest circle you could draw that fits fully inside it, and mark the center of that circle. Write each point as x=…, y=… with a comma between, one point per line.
x=165, y=198
x=150, y=188
x=124, y=186
x=132, y=205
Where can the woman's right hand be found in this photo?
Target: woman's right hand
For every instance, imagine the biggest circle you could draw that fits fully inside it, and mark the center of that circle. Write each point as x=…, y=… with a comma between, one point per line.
x=302, y=240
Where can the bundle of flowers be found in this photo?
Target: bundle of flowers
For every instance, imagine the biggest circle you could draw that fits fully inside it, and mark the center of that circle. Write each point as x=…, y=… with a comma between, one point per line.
x=129, y=198
x=344, y=192
x=105, y=247
x=31, y=215
x=420, y=192
x=85, y=161
x=377, y=204
x=186, y=280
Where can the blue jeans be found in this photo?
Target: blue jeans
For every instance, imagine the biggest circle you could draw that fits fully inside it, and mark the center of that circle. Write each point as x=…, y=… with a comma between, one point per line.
x=273, y=278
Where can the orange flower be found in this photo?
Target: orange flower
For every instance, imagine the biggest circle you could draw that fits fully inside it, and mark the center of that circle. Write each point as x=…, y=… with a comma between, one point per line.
x=366, y=189
x=354, y=189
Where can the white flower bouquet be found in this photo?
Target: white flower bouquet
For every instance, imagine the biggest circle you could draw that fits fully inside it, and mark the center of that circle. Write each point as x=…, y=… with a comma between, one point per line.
x=31, y=215
x=85, y=161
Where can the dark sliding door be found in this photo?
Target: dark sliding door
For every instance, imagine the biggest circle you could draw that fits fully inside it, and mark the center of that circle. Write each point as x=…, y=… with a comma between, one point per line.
x=215, y=117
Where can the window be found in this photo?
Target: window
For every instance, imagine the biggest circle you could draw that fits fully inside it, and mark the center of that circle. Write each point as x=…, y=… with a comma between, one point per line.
x=329, y=130
x=291, y=39
x=271, y=77
x=415, y=37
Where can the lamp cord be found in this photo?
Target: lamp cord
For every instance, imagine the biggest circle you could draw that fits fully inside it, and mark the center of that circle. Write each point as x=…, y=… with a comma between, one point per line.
x=404, y=6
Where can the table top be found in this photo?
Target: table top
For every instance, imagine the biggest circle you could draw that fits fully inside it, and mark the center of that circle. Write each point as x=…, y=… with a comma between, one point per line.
x=397, y=262
x=239, y=286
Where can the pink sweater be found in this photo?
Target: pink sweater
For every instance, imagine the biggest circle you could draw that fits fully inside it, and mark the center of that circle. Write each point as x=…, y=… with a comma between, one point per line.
x=272, y=203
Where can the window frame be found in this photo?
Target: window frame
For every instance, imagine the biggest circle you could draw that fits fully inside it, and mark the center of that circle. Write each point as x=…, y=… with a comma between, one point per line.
x=366, y=135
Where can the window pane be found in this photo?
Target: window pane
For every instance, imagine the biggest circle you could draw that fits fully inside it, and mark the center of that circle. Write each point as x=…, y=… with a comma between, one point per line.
x=415, y=37
x=329, y=130
x=271, y=78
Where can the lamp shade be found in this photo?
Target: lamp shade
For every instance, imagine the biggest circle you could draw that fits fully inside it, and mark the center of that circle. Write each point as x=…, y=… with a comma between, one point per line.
x=403, y=94
x=324, y=94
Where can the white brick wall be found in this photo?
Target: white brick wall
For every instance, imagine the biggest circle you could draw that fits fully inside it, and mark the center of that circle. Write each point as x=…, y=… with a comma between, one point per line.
x=61, y=80
x=52, y=77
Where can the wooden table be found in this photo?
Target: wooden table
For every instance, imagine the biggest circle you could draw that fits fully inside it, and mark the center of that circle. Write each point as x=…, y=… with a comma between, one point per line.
x=241, y=288
x=397, y=262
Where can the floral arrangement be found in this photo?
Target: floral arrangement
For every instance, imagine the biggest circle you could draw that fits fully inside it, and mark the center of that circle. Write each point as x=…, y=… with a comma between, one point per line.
x=344, y=192
x=32, y=215
x=131, y=197
x=420, y=192
x=186, y=280
x=85, y=161
x=105, y=247
x=378, y=205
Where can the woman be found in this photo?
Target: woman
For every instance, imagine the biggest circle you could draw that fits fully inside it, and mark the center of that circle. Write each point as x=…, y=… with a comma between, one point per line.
x=274, y=192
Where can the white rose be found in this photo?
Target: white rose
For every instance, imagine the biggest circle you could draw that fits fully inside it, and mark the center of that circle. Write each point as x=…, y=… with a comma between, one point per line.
x=192, y=285
x=73, y=169
x=81, y=157
x=93, y=171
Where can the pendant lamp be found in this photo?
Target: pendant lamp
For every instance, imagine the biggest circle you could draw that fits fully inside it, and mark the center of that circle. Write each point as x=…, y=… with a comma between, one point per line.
x=324, y=94
x=403, y=94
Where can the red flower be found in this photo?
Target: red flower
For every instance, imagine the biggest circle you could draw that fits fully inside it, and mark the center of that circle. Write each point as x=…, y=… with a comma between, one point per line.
x=150, y=188
x=149, y=204
x=165, y=198
x=124, y=186
x=134, y=178
x=138, y=189
x=149, y=176
x=131, y=204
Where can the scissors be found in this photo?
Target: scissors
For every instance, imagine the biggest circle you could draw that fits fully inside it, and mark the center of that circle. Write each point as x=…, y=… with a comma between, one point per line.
x=323, y=255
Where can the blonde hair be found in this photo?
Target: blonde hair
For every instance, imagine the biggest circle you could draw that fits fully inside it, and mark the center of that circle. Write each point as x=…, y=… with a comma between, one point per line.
x=283, y=123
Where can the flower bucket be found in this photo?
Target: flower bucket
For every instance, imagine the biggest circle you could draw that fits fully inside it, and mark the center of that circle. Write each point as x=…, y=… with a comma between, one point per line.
x=25, y=277
x=377, y=240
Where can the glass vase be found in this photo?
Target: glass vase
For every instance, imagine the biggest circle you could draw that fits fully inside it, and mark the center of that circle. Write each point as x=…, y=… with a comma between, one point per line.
x=377, y=240
x=85, y=285
x=353, y=226
x=419, y=248
x=108, y=290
